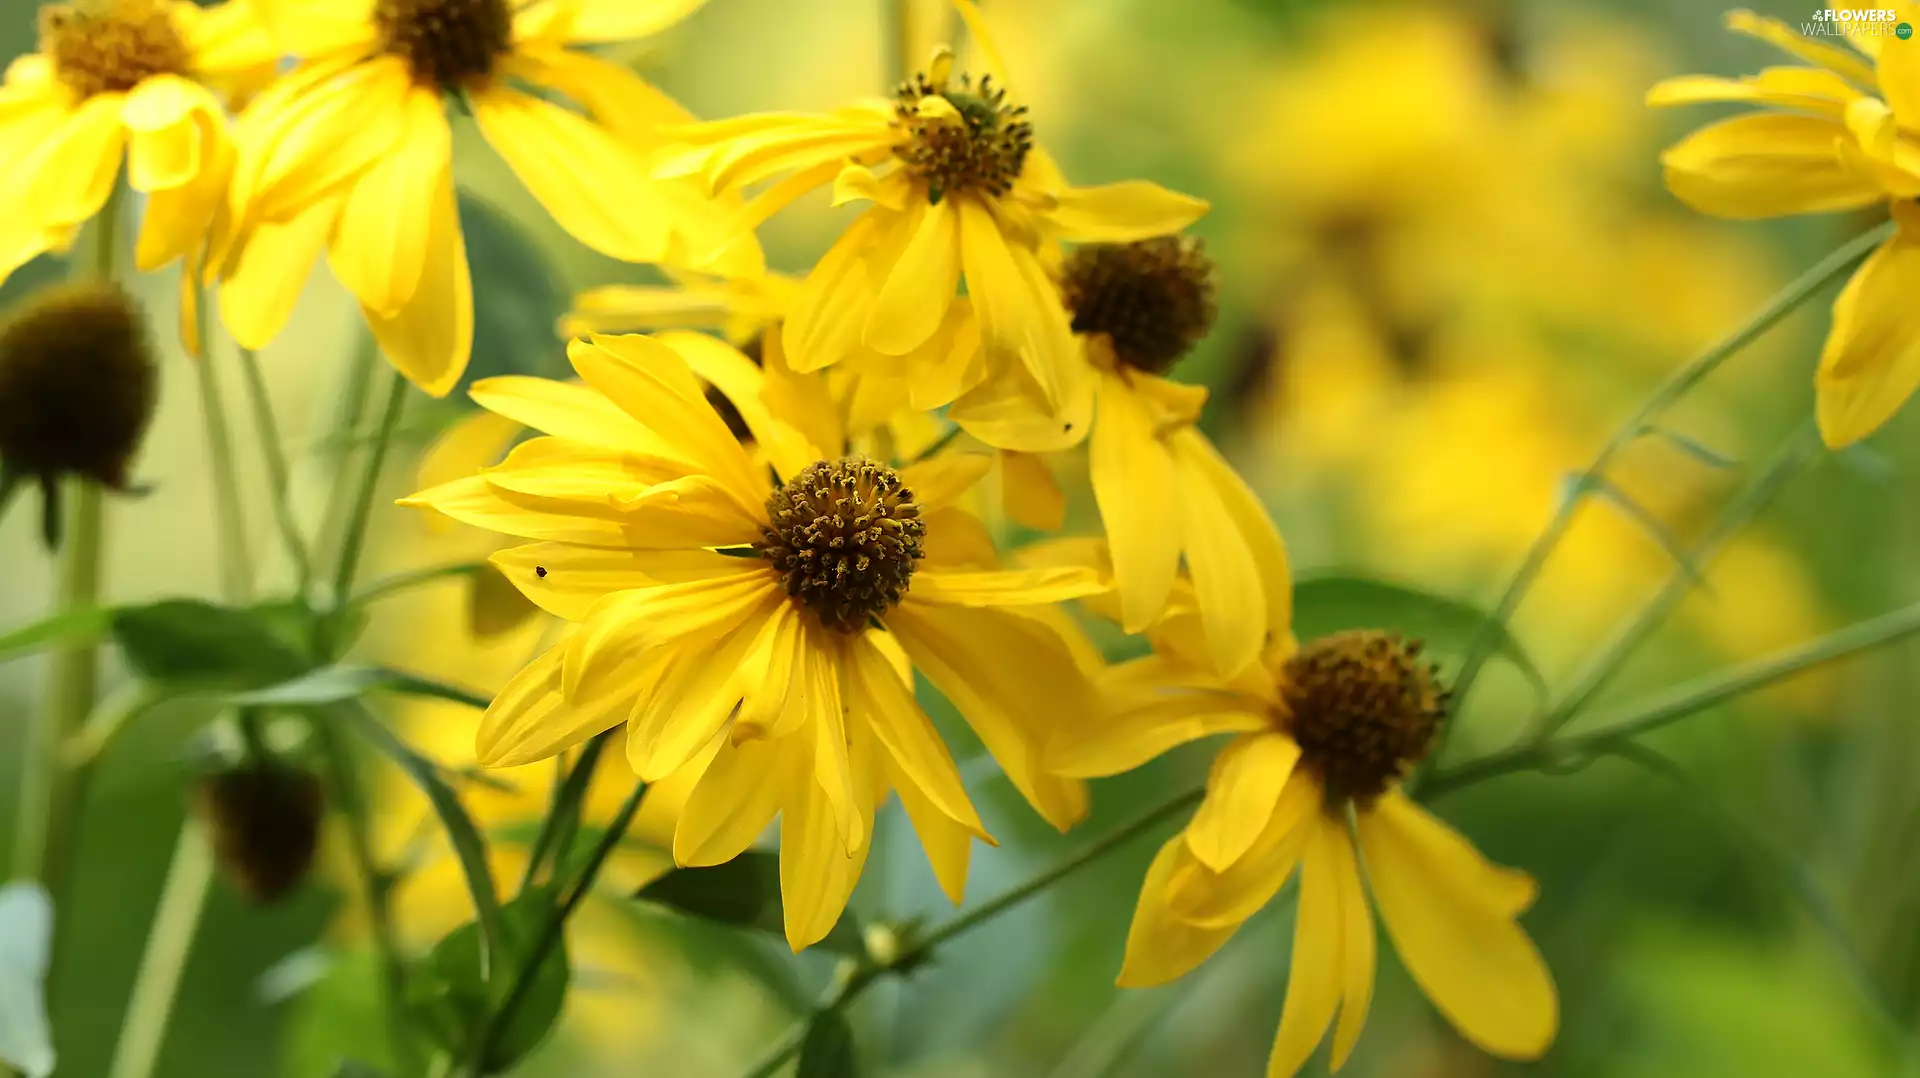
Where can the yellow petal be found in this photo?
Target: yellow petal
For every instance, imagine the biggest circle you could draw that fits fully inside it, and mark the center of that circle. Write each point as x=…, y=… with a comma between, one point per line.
x=744, y=384
x=477, y=440
x=163, y=118
x=1132, y=472
x=908, y=736
x=1160, y=946
x=430, y=338
x=855, y=182
x=379, y=248
x=1766, y=165
x=177, y=219
x=1226, y=578
x=270, y=271
x=1122, y=212
x=1200, y=462
x=78, y=165
x=734, y=801
x=1781, y=36
x=1243, y=787
x=654, y=385
x=1012, y=679
x=1451, y=915
x=1313, y=977
x=1123, y=740
x=530, y=720
x=1013, y=310
x=694, y=692
x=594, y=21
x=1208, y=898
x=1804, y=88
x=309, y=29
x=822, y=665
x=832, y=306
x=567, y=410
x=920, y=287
x=817, y=873
x=940, y=481
x=1031, y=497
x=1899, y=72
x=1008, y=587
x=949, y=845
x=1357, y=953
x=628, y=624
x=774, y=702
x=566, y=579
x=301, y=146
x=594, y=187
x=1871, y=363
x=616, y=98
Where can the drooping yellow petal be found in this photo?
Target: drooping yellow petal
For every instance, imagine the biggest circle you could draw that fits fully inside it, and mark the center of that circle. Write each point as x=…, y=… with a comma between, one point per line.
x=166, y=140
x=694, y=693
x=919, y=289
x=530, y=720
x=177, y=219
x=326, y=124
x=817, y=873
x=1125, y=739
x=1122, y=212
x=1226, y=576
x=1766, y=165
x=736, y=798
x=1017, y=313
x=949, y=845
x=594, y=187
x=595, y=21
x=1871, y=362
x=1200, y=462
x=1160, y=945
x=1006, y=587
x=628, y=624
x=1029, y=493
x=1357, y=951
x=77, y=166
x=1133, y=474
x=1217, y=899
x=774, y=701
x=1314, y=975
x=1243, y=787
x=379, y=248
x=268, y=274
x=823, y=665
x=1451, y=916
x=1804, y=88
x=1012, y=679
x=430, y=338
x=940, y=481
x=911, y=742
x=831, y=309
x=615, y=97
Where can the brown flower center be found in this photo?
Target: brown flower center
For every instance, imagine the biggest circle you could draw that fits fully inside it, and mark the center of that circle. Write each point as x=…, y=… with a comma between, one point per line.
x=1363, y=709
x=448, y=43
x=77, y=385
x=1153, y=299
x=111, y=46
x=845, y=536
x=983, y=148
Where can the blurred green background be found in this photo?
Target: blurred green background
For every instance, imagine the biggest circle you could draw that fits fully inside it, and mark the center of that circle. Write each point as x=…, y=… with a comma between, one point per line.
x=1447, y=270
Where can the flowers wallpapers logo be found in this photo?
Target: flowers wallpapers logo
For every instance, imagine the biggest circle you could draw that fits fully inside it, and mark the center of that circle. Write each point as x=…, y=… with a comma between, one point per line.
x=733, y=539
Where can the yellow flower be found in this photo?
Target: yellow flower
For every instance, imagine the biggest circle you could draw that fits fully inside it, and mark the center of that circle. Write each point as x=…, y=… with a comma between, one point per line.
x=1836, y=135
x=113, y=80
x=760, y=630
x=958, y=190
x=1312, y=781
x=352, y=152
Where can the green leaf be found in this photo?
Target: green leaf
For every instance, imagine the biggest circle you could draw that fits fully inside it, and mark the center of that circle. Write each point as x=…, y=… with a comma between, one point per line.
x=84, y=624
x=744, y=893
x=517, y=298
x=185, y=640
x=334, y=684
x=353, y=1068
x=1324, y=604
x=468, y=847
x=26, y=929
x=452, y=996
x=828, y=1050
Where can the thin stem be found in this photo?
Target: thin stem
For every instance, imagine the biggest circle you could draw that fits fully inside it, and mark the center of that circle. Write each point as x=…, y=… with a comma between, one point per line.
x=1684, y=700
x=554, y=929
x=236, y=569
x=169, y=942
x=349, y=563
x=921, y=950
x=1606, y=663
x=352, y=409
x=563, y=816
x=403, y=582
x=1676, y=386
x=273, y=451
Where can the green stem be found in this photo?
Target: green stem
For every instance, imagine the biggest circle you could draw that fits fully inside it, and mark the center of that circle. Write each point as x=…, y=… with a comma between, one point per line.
x=272, y=450
x=1676, y=386
x=403, y=582
x=563, y=816
x=236, y=569
x=923, y=949
x=1600, y=671
x=169, y=942
x=553, y=930
x=356, y=535
x=1684, y=700
x=352, y=408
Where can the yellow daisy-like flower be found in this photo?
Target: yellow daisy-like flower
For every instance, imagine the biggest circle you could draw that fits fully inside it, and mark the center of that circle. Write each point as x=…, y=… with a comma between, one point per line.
x=1840, y=134
x=1311, y=782
x=134, y=80
x=959, y=190
x=352, y=153
x=761, y=624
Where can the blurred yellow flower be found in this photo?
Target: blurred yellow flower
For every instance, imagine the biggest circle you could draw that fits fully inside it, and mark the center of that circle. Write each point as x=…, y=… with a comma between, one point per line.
x=1836, y=135
x=1325, y=734
x=352, y=152
x=780, y=674
x=139, y=80
x=959, y=191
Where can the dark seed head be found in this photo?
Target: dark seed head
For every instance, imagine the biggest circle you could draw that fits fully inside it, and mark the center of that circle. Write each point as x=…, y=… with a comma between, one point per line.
x=77, y=385
x=265, y=819
x=449, y=44
x=111, y=46
x=1363, y=709
x=845, y=535
x=1153, y=299
x=983, y=149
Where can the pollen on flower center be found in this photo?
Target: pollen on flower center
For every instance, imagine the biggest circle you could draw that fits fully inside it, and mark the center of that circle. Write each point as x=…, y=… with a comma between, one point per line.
x=845, y=536
x=1363, y=709
x=978, y=144
x=111, y=46
x=447, y=43
x=1153, y=299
